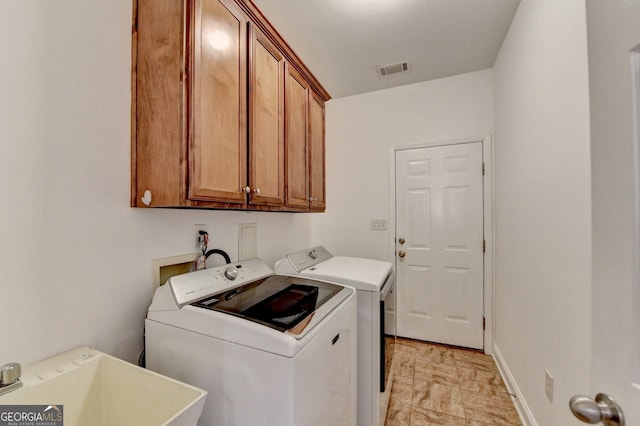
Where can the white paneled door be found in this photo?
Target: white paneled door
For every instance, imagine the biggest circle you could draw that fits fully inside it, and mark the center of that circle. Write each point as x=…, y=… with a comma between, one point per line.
x=439, y=244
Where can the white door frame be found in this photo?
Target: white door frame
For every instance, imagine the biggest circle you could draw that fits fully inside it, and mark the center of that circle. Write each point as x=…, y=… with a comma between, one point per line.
x=487, y=158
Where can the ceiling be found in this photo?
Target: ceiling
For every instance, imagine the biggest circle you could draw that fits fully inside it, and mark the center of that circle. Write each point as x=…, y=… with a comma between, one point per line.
x=343, y=41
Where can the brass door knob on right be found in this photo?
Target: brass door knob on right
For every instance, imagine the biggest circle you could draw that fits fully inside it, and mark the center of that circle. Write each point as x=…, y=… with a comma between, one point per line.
x=401, y=254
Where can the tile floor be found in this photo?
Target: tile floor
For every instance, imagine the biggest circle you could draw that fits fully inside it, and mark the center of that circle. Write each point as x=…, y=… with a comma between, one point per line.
x=443, y=385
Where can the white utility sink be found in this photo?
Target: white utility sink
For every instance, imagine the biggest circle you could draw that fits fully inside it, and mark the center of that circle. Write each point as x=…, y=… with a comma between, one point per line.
x=97, y=389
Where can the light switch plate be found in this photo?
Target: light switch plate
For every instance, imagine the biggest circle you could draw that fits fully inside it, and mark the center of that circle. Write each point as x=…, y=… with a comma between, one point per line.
x=378, y=224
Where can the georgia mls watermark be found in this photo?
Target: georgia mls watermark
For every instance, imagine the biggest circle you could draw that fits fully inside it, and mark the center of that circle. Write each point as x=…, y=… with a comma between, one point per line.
x=31, y=415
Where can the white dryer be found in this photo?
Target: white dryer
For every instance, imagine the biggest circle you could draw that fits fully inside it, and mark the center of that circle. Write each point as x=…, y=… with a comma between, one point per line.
x=270, y=349
x=374, y=281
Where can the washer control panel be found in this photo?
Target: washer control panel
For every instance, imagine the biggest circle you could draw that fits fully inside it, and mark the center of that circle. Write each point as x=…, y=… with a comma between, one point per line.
x=193, y=286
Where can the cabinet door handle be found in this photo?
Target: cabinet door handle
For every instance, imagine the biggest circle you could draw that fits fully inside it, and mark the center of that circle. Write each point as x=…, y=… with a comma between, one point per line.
x=256, y=191
x=247, y=189
x=146, y=198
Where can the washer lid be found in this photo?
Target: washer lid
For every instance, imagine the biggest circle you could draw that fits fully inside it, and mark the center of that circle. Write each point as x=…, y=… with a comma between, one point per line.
x=285, y=303
x=362, y=274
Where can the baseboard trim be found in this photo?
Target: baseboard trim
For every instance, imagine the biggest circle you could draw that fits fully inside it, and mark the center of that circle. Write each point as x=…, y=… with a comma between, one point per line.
x=526, y=416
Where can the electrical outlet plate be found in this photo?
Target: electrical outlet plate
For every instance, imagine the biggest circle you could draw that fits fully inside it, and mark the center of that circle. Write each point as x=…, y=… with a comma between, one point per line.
x=548, y=385
x=196, y=232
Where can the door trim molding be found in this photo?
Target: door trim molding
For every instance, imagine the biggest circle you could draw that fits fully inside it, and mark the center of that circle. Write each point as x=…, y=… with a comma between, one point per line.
x=488, y=222
x=635, y=291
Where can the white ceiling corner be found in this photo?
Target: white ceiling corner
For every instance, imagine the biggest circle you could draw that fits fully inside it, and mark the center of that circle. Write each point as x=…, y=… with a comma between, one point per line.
x=344, y=41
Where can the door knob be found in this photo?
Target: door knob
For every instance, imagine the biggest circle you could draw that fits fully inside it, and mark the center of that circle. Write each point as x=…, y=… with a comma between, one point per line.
x=401, y=254
x=604, y=409
x=401, y=240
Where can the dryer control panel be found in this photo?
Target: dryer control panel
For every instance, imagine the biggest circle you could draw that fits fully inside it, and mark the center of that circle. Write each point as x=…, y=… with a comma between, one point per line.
x=194, y=286
x=308, y=258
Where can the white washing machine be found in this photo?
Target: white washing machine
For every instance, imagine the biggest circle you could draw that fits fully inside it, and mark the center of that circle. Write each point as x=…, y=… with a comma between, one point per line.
x=270, y=349
x=374, y=281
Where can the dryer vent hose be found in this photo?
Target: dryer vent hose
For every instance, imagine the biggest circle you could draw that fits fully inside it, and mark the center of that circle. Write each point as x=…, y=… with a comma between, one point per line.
x=220, y=252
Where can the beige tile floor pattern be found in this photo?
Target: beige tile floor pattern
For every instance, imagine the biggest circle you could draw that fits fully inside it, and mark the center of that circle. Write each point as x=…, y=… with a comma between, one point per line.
x=442, y=385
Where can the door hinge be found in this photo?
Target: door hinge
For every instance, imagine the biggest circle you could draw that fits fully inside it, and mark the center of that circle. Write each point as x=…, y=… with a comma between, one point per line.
x=484, y=323
x=482, y=169
x=484, y=246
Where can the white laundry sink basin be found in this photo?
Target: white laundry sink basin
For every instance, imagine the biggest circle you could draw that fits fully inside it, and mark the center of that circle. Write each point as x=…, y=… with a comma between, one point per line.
x=94, y=388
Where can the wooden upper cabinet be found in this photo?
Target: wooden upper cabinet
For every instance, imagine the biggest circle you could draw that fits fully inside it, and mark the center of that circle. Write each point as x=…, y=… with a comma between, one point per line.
x=316, y=144
x=297, y=95
x=266, y=121
x=222, y=106
x=218, y=148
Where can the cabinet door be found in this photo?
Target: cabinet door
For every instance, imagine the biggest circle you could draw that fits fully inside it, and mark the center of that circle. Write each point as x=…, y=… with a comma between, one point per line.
x=218, y=151
x=266, y=121
x=316, y=153
x=296, y=90
x=158, y=144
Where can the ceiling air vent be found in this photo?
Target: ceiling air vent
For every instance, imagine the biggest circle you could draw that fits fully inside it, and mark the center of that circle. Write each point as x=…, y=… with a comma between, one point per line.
x=393, y=68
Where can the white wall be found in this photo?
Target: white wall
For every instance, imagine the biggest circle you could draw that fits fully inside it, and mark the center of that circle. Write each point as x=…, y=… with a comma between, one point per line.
x=361, y=132
x=75, y=259
x=543, y=204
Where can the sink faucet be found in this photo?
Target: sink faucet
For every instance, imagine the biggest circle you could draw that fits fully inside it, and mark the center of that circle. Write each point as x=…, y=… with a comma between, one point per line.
x=10, y=377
